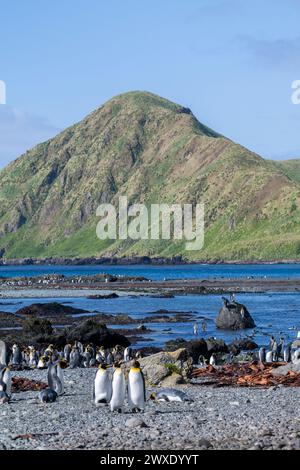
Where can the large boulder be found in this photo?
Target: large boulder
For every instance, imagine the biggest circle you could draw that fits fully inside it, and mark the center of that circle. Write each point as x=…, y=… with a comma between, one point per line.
x=234, y=316
x=165, y=364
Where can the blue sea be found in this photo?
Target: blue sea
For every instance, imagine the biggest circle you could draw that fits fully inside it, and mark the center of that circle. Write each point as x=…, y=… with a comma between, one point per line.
x=193, y=271
x=274, y=313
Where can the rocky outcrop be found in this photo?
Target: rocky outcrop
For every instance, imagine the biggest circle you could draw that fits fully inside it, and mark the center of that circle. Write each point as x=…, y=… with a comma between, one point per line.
x=244, y=344
x=92, y=331
x=234, y=316
x=215, y=346
x=49, y=309
x=195, y=348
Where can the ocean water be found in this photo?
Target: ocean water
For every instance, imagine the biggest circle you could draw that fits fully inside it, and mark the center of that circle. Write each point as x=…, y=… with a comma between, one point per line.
x=195, y=271
x=273, y=313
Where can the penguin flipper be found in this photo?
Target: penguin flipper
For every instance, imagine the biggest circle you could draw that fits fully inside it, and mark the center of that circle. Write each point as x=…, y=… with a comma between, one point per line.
x=143, y=378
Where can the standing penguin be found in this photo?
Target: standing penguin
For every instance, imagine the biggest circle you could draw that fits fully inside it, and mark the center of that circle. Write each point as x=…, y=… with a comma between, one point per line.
x=67, y=352
x=75, y=358
x=118, y=389
x=33, y=358
x=16, y=357
x=54, y=381
x=213, y=360
x=103, y=385
x=287, y=353
x=127, y=354
x=5, y=384
x=262, y=354
x=269, y=356
x=136, y=388
x=4, y=353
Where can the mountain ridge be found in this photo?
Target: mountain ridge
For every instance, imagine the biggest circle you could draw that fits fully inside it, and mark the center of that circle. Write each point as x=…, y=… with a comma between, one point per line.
x=152, y=150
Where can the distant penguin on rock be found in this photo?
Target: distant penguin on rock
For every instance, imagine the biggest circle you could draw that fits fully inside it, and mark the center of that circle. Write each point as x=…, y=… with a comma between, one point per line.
x=136, y=388
x=103, y=385
x=118, y=390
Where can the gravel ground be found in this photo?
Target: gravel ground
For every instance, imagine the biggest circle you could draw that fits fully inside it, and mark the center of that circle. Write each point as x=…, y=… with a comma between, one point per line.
x=219, y=418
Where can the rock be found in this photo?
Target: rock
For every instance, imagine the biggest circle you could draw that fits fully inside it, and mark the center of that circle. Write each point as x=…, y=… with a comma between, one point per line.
x=243, y=344
x=92, y=331
x=234, y=316
x=49, y=309
x=284, y=370
x=204, y=443
x=135, y=423
x=163, y=364
x=296, y=344
x=216, y=346
x=195, y=348
x=172, y=380
x=113, y=295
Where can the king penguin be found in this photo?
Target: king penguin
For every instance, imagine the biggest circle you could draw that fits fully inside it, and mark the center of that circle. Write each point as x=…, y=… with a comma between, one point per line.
x=136, y=388
x=103, y=385
x=118, y=389
x=5, y=384
x=262, y=354
x=54, y=381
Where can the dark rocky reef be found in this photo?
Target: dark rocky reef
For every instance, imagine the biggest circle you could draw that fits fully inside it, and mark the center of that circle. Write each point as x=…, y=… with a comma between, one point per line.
x=50, y=309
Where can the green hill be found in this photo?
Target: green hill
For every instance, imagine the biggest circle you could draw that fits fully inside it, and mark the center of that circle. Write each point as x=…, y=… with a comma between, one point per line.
x=291, y=168
x=151, y=150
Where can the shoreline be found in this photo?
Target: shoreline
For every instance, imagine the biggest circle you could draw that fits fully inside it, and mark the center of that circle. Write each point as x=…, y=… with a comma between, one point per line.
x=218, y=286
x=141, y=260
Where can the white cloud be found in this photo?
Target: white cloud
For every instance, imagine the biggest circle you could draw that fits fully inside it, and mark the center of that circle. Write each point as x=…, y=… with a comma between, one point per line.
x=20, y=131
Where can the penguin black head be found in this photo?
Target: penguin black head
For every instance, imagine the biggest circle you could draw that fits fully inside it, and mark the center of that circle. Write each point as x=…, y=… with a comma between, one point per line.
x=152, y=396
x=102, y=366
x=63, y=364
x=135, y=364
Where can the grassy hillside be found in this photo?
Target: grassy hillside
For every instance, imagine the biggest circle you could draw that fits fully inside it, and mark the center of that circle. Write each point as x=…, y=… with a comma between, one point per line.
x=291, y=168
x=151, y=150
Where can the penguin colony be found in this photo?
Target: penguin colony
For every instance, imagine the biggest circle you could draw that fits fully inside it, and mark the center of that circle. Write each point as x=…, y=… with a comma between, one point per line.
x=112, y=383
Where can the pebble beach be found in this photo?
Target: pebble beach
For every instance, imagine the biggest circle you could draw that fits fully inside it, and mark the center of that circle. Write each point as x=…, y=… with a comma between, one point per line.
x=216, y=418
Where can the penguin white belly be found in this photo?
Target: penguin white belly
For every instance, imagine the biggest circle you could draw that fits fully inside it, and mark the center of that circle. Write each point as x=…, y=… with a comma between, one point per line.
x=118, y=391
x=103, y=387
x=136, y=391
x=269, y=356
x=7, y=381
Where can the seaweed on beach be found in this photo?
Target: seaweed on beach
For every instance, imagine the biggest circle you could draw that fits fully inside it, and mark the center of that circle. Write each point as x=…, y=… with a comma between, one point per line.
x=253, y=374
x=20, y=384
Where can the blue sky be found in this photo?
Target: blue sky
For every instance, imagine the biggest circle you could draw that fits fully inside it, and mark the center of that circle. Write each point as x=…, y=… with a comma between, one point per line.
x=231, y=61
